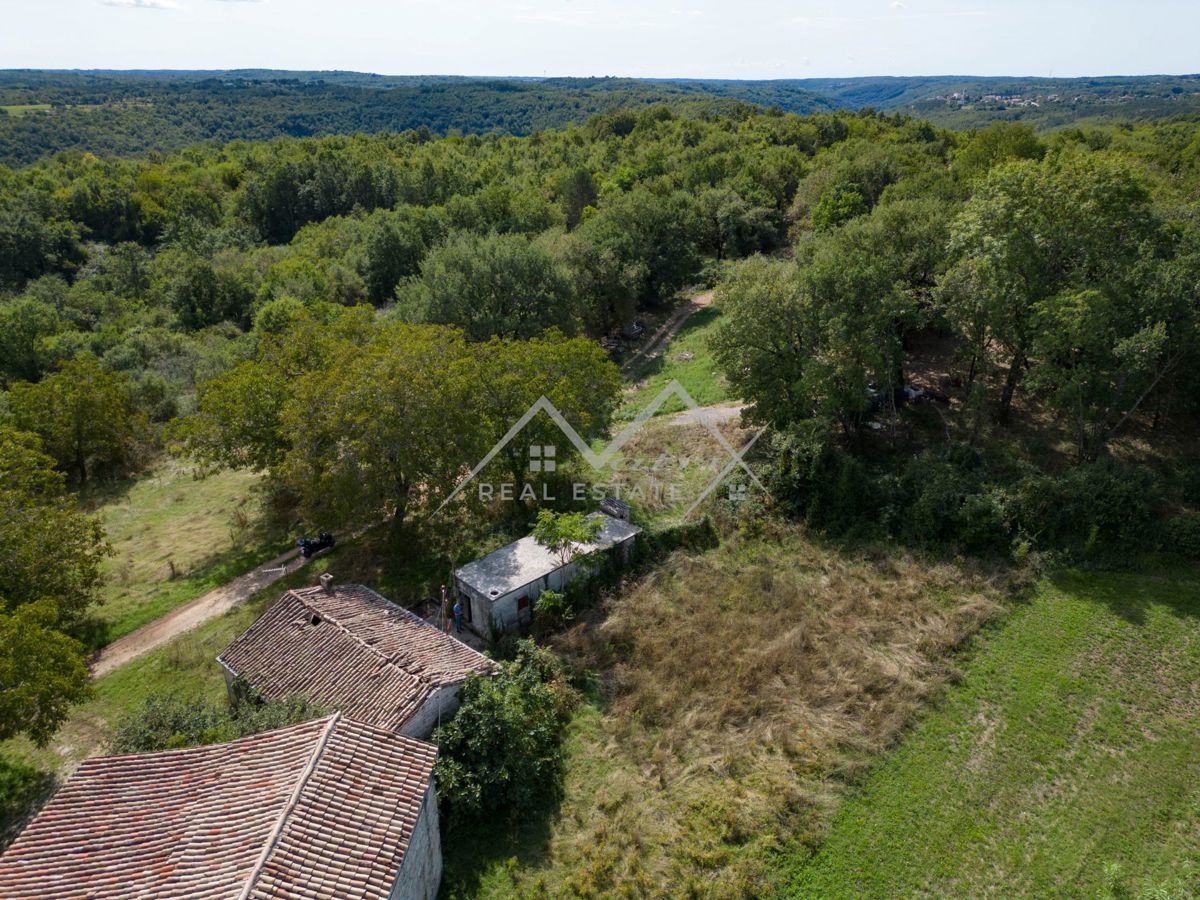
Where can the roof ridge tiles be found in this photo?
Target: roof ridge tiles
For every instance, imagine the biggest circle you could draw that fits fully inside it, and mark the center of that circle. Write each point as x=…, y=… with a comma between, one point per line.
x=277, y=830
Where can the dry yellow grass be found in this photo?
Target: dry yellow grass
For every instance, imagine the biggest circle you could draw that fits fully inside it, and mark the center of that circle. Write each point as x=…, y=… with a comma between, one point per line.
x=738, y=690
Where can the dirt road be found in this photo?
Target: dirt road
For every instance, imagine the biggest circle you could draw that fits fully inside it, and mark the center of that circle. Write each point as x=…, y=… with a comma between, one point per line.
x=716, y=414
x=194, y=613
x=659, y=340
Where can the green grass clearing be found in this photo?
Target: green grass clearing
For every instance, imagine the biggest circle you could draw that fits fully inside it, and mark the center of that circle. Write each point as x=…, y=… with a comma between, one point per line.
x=20, y=109
x=210, y=530
x=686, y=359
x=1066, y=763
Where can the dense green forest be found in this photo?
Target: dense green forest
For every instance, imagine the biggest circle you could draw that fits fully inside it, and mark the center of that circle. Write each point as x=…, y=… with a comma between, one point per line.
x=978, y=350
x=984, y=341
x=126, y=113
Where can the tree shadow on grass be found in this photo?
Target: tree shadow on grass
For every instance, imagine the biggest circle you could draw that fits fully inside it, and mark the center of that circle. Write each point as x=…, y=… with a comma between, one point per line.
x=24, y=789
x=1130, y=594
x=471, y=850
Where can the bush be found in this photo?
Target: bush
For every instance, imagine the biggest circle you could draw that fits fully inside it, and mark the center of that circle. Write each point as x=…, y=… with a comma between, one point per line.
x=1110, y=505
x=819, y=482
x=936, y=491
x=983, y=526
x=1106, y=505
x=502, y=751
x=1189, y=485
x=1036, y=508
x=554, y=605
x=167, y=722
x=947, y=498
x=1183, y=535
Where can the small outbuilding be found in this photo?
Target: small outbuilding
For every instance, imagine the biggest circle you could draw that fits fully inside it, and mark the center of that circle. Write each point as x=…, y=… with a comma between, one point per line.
x=327, y=810
x=345, y=647
x=497, y=591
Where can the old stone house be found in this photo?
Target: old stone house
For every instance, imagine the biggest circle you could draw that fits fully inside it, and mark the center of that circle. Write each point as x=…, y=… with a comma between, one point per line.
x=345, y=647
x=331, y=809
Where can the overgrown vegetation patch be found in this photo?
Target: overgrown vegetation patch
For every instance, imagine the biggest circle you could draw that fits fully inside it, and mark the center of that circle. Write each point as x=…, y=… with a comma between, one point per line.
x=734, y=694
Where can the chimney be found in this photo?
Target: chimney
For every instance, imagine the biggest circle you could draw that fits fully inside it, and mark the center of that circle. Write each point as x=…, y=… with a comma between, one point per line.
x=327, y=582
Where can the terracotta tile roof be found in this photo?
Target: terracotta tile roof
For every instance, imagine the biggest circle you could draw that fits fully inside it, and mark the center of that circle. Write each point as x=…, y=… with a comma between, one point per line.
x=350, y=649
x=319, y=810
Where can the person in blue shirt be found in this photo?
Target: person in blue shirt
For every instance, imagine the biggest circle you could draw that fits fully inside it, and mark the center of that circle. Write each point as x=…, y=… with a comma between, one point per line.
x=458, y=616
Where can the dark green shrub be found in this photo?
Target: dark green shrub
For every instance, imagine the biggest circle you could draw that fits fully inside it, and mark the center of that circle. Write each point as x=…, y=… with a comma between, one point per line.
x=1037, y=506
x=983, y=526
x=1189, y=485
x=823, y=484
x=168, y=722
x=1183, y=535
x=936, y=491
x=164, y=723
x=554, y=605
x=1110, y=504
x=502, y=751
x=1106, y=505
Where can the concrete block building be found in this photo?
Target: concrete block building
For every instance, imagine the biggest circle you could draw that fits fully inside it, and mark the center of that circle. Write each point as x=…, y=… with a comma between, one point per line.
x=497, y=591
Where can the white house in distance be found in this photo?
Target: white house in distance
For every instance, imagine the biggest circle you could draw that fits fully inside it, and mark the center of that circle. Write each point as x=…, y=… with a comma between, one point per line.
x=328, y=810
x=497, y=591
x=345, y=647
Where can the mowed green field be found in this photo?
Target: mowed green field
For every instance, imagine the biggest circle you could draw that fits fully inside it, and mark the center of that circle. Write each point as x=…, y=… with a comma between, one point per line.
x=1065, y=763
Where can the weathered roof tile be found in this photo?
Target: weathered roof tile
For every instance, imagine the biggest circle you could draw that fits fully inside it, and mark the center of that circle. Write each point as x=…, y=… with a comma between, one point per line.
x=324, y=809
x=350, y=649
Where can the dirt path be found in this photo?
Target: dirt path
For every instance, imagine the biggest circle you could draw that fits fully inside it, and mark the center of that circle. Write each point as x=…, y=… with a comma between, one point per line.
x=666, y=331
x=195, y=612
x=716, y=414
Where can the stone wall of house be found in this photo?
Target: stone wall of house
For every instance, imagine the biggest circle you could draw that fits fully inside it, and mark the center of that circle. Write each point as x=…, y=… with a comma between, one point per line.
x=421, y=872
x=440, y=706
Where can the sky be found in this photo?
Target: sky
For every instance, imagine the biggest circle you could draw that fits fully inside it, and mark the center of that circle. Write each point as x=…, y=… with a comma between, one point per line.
x=640, y=38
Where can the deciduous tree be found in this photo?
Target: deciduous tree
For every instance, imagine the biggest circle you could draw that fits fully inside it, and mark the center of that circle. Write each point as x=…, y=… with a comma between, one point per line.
x=84, y=415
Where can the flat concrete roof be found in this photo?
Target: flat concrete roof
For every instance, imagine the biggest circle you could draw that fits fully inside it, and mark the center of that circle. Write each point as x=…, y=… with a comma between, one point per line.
x=525, y=561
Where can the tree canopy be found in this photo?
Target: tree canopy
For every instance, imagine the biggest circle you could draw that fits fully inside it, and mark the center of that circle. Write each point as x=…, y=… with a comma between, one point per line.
x=50, y=555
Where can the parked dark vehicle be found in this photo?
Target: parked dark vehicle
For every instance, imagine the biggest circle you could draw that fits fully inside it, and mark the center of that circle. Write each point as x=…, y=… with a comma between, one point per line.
x=310, y=547
x=634, y=330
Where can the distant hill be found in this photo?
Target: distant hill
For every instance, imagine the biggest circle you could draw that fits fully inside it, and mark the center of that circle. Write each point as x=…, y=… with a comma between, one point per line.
x=125, y=113
x=133, y=113
x=970, y=101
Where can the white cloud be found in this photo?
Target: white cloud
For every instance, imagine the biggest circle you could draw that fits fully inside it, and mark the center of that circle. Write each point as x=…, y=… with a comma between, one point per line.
x=896, y=4
x=142, y=4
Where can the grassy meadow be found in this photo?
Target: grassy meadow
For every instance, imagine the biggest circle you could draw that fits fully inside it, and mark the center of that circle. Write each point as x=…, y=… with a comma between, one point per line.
x=686, y=359
x=731, y=694
x=21, y=109
x=175, y=537
x=1064, y=763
